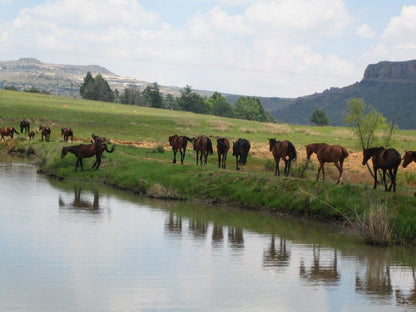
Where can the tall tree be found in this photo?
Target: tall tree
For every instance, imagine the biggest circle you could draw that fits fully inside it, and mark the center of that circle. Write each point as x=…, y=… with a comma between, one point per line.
x=219, y=106
x=192, y=102
x=320, y=118
x=96, y=89
x=250, y=108
x=153, y=96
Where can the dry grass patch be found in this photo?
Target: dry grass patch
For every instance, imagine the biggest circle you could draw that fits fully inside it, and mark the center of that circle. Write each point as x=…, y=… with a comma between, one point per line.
x=219, y=125
x=310, y=132
x=342, y=133
x=276, y=129
x=185, y=123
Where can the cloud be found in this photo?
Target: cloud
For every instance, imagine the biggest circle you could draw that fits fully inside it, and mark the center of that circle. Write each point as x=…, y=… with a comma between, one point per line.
x=365, y=31
x=262, y=47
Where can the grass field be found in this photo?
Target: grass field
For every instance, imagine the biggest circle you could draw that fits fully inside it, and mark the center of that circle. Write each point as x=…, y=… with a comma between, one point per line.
x=138, y=165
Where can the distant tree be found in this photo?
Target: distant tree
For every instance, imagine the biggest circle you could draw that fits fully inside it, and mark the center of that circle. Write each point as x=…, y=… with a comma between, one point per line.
x=319, y=118
x=132, y=96
x=96, y=89
x=192, y=102
x=153, y=96
x=171, y=102
x=11, y=88
x=250, y=108
x=219, y=106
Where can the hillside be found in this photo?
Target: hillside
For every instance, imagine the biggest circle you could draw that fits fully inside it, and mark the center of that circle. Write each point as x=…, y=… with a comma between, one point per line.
x=389, y=87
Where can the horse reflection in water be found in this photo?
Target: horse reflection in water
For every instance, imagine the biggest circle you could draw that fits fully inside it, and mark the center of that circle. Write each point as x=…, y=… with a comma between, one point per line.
x=217, y=235
x=173, y=225
x=235, y=237
x=325, y=273
x=198, y=228
x=82, y=203
x=276, y=257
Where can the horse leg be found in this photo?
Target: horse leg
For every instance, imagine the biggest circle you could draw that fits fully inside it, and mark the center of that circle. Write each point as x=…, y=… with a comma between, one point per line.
x=236, y=161
x=384, y=180
x=182, y=156
x=319, y=170
x=339, y=170
x=224, y=161
x=174, y=157
x=289, y=163
x=286, y=167
x=98, y=162
x=375, y=178
x=76, y=164
x=205, y=158
x=219, y=161
x=277, y=170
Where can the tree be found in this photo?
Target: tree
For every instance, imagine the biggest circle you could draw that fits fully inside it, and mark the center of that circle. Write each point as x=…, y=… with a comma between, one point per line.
x=250, y=108
x=171, y=102
x=96, y=89
x=319, y=118
x=153, y=96
x=219, y=106
x=132, y=96
x=192, y=102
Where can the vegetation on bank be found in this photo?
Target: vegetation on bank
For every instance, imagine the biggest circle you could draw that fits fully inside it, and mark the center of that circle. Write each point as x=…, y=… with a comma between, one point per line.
x=141, y=167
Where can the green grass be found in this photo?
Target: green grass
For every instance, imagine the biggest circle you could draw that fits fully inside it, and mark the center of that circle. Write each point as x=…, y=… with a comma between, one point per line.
x=150, y=170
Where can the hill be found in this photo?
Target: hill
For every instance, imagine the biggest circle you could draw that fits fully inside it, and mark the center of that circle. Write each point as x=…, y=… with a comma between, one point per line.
x=389, y=87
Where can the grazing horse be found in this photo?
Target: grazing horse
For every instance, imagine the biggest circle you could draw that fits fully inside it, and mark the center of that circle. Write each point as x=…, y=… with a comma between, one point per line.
x=408, y=157
x=46, y=132
x=86, y=150
x=203, y=145
x=327, y=153
x=98, y=139
x=240, y=150
x=384, y=159
x=223, y=146
x=31, y=135
x=178, y=143
x=67, y=132
x=282, y=149
x=7, y=131
x=24, y=126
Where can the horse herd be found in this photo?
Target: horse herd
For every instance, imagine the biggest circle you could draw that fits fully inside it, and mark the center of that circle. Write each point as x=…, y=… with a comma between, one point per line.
x=385, y=160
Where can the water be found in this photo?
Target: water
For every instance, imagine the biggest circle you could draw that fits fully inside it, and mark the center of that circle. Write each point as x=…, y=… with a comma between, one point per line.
x=77, y=247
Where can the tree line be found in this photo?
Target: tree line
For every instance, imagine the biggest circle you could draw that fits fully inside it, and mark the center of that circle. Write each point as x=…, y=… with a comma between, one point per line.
x=246, y=107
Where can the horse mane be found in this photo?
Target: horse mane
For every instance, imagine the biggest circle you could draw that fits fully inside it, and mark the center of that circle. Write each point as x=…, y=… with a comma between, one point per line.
x=292, y=149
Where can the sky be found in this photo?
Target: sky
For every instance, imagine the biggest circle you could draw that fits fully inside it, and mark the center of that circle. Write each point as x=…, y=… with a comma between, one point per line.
x=282, y=48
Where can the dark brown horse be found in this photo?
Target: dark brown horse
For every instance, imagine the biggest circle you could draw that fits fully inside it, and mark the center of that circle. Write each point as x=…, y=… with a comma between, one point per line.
x=98, y=139
x=285, y=150
x=46, y=133
x=240, y=150
x=223, y=146
x=67, y=132
x=203, y=147
x=7, y=131
x=178, y=143
x=408, y=157
x=31, y=135
x=24, y=126
x=85, y=151
x=327, y=153
x=388, y=160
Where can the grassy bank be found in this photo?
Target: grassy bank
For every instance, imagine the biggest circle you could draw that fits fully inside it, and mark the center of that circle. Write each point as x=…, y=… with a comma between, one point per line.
x=138, y=166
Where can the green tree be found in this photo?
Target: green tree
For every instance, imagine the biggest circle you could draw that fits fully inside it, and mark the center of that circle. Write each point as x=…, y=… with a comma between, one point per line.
x=96, y=89
x=87, y=87
x=132, y=96
x=219, y=106
x=171, y=102
x=192, y=102
x=153, y=96
x=319, y=118
x=250, y=108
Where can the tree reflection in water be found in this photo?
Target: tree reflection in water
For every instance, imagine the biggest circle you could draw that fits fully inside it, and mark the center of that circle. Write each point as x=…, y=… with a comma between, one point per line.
x=318, y=272
x=276, y=257
x=410, y=299
x=82, y=203
x=173, y=224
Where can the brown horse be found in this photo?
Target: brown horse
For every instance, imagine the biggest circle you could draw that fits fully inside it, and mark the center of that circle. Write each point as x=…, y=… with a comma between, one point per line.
x=408, y=157
x=31, y=135
x=384, y=159
x=7, y=131
x=24, y=126
x=67, y=132
x=46, y=132
x=85, y=151
x=240, y=150
x=223, y=146
x=98, y=139
x=327, y=153
x=203, y=147
x=285, y=150
x=178, y=143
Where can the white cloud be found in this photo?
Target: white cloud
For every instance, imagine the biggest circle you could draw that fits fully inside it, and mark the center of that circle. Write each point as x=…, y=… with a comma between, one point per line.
x=365, y=31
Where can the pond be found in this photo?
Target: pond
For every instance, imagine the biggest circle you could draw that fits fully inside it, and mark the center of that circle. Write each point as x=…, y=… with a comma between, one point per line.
x=69, y=246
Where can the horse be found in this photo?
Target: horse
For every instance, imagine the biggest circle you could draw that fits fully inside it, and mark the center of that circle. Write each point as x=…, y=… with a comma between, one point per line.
x=178, y=143
x=327, y=153
x=240, y=150
x=98, y=139
x=203, y=145
x=24, y=126
x=223, y=146
x=46, y=132
x=7, y=131
x=384, y=159
x=87, y=150
x=407, y=158
x=67, y=132
x=282, y=149
x=31, y=135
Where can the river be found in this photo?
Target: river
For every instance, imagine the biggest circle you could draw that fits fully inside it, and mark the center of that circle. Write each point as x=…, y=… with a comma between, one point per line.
x=68, y=246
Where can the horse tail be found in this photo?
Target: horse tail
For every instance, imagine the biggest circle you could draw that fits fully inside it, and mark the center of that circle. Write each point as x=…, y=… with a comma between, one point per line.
x=292, y=151
x=14, y=130
x=109, y=151
x=209, y=146
x=344, y=152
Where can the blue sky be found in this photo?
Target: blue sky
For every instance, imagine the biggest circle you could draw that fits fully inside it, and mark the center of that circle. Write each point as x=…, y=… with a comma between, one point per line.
x=283, y=48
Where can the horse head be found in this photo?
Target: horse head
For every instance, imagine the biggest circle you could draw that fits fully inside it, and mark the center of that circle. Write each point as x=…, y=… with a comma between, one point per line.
x=309, y=151
x=64, y=152
x=272, y=142
x=370, y=152
x=408, y=157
